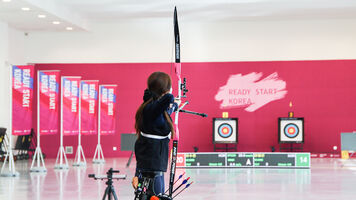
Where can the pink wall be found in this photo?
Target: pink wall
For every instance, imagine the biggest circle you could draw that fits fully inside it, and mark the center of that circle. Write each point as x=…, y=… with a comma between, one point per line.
x=323, y=92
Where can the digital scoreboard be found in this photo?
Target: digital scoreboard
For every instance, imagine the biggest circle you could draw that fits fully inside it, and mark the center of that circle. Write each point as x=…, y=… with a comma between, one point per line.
x=239, y=159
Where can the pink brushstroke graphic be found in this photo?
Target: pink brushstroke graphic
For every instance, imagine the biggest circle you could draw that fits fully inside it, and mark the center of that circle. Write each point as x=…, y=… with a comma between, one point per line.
x=251, y=92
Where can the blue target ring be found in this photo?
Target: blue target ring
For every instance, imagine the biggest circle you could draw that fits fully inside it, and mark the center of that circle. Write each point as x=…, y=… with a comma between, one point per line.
x=225, y=130
x=291, y=130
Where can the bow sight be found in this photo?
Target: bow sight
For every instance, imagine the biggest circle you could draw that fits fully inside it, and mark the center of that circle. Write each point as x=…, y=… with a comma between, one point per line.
x=183, y=87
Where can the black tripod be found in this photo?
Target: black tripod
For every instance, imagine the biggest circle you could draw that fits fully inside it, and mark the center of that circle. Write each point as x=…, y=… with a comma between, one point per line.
x=109, y=191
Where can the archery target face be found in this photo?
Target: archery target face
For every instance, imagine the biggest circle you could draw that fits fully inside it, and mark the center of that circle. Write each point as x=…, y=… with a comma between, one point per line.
x=291, y=130
x=225, y=130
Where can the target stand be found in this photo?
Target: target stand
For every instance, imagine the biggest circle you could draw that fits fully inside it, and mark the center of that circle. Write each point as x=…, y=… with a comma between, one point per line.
x=290, y=134
x=225, y=132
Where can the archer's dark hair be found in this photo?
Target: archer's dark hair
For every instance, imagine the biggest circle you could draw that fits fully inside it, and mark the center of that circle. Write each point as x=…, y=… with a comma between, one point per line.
x=158, y=83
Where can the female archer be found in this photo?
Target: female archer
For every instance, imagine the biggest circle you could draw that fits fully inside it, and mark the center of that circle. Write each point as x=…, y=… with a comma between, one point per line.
x=154, y=129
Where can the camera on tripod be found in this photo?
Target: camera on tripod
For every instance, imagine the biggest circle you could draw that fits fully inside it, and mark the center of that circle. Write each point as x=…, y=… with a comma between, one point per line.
x=109, y=191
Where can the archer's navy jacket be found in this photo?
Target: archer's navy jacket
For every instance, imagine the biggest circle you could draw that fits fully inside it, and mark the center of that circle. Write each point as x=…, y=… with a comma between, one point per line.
x=152, y=154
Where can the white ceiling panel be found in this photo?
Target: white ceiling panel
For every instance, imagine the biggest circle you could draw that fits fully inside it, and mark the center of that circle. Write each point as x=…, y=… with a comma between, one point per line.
x=12, y=13
x=80, y=13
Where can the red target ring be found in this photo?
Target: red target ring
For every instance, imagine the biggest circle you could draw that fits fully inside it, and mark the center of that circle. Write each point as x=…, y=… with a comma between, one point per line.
x=291, y=130
x=225, y=130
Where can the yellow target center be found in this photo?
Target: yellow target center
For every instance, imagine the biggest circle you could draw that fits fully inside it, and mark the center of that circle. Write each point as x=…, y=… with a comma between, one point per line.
x=291, y=131
x=225, y=130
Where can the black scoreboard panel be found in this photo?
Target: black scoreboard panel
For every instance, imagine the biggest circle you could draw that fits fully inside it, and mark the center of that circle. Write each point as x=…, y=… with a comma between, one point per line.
x=279, y=160
x=238, y=159
x=210, y=160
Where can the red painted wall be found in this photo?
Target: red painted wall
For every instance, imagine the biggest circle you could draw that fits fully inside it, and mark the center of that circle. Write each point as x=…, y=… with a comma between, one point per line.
x=323, y=92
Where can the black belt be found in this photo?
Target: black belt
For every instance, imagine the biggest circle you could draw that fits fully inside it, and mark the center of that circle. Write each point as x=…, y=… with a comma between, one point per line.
x=151, y=174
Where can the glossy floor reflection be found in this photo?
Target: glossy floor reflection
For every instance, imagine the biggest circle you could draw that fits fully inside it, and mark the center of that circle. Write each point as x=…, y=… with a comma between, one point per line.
x=327, y=179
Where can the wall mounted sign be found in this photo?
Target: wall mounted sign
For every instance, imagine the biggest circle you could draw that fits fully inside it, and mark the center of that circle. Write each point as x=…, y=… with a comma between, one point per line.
x=250, y=91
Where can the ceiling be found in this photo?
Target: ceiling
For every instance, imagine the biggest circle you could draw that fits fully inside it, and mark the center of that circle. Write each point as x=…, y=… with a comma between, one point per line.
x=78, y=14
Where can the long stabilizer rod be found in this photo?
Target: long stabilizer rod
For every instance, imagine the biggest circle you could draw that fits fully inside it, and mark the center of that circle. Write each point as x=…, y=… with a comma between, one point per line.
x=194, y=113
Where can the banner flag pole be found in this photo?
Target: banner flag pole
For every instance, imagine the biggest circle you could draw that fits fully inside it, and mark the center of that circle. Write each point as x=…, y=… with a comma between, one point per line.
x=61, y=161
x=38, y=156
x=80, y=153
x=9, y=155
x=99, y=155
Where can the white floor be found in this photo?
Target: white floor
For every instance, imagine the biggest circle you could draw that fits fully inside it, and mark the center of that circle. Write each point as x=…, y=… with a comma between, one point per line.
x=332, y=179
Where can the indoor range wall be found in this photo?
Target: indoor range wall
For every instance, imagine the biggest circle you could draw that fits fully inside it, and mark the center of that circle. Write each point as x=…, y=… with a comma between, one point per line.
x=258, y=93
